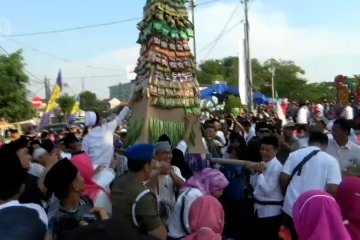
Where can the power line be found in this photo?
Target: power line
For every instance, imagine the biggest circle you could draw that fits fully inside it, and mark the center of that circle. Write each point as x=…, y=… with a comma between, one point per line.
x=71, y=28
x=61, y=58
x=99, y=76
x=226, y=32
x=38, y=80
x=224, y=28
x=206, y=3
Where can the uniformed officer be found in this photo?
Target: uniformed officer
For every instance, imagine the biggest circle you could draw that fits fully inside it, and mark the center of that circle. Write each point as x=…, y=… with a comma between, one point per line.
x=132, y=200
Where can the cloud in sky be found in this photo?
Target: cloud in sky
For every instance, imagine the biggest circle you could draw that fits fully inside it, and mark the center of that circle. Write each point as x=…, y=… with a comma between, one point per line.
x=322, y=51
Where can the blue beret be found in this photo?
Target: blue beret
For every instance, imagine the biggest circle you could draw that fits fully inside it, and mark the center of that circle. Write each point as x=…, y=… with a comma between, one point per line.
x=140, y=151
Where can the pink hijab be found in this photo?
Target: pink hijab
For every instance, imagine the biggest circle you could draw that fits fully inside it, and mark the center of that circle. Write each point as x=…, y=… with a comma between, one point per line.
x=206, y=219
x=317, y=216
x=208, y=181
x=84, y=164
x=348, y=198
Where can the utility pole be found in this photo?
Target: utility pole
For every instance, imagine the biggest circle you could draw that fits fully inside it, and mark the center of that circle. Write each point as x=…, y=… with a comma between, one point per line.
x=272, y=70
x=47, y=88
x=193, y=5
x=248, y=58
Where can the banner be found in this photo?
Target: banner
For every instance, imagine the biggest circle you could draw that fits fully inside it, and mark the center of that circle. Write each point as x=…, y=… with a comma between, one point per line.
x=75, y=109
x=51, y=103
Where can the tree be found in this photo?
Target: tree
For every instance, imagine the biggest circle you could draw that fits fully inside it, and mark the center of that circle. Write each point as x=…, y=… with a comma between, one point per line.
x=232, y=102
x=14, y=105
x=210, y=71
x=66, y=104
x=90, y=102
x=221, y=70
x=289, y=78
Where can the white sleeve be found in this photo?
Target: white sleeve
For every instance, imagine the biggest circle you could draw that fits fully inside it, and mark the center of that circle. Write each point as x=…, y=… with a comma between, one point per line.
x=84, y=146
x=104, y=177
x=182, y=146
x=253, y=180
x=221, y=135
x=118, y=119
x=122, y=115
x=271, y=183
x=333, y=171
x=353, y=136
x=103, y=201
x=190, y=198
x=178, y=172
x=42, y=214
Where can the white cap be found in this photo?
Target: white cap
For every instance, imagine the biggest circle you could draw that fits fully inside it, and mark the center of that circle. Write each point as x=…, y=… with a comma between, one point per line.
x=123, y=130
x=90, y=119
x=38, y=152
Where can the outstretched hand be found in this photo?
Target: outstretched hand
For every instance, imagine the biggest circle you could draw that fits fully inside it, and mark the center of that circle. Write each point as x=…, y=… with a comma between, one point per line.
x=101, y=212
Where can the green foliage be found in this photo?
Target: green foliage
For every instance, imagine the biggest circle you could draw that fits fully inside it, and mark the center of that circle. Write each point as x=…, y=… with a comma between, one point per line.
x=289, y=78
x=224, y=70
x=14, y=105
x=232, y=102
x=66, y=104
x=90, y=102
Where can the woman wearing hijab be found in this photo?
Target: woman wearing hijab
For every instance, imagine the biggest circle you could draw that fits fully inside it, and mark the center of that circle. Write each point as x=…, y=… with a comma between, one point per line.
x=206, y=219
x=206, y=182
x=348, y=198
x=317, y=216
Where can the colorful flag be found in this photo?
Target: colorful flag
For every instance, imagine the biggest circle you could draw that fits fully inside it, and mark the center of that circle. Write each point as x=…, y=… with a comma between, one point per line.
x=75, y=109
x=52, y=102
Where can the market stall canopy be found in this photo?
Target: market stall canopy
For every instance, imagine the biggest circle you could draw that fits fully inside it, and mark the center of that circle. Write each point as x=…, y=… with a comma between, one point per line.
x=218, y=89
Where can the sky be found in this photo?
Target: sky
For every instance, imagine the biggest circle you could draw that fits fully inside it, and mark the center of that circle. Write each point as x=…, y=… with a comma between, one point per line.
x=318, y=35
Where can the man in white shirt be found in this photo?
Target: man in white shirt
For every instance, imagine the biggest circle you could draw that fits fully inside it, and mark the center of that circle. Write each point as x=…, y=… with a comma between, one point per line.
x=99, y=142
x=346, y=152
x=303, y=115
x=321, y=171
x=166, y=184
x=267, y=192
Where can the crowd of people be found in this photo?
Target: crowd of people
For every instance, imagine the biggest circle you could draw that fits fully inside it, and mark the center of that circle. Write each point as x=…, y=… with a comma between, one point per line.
x=292, y=179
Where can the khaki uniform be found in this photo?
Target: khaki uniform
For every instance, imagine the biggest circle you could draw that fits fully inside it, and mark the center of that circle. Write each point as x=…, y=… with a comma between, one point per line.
x=124, y=192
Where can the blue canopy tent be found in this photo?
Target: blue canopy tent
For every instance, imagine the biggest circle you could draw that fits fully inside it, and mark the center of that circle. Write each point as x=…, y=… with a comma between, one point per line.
x=260, y=98
x=221, y=90
x=218, y=90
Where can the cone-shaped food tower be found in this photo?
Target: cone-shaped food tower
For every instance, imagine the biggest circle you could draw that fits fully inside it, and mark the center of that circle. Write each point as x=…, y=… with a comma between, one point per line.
x=165, y=88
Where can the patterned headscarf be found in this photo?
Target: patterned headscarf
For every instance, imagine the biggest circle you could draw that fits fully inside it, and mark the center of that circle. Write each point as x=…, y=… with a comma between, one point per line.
x=208, y=181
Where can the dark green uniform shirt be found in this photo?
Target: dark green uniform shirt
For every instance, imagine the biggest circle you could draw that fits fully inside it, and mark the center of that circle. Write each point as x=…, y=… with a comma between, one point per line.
x=124, y=192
